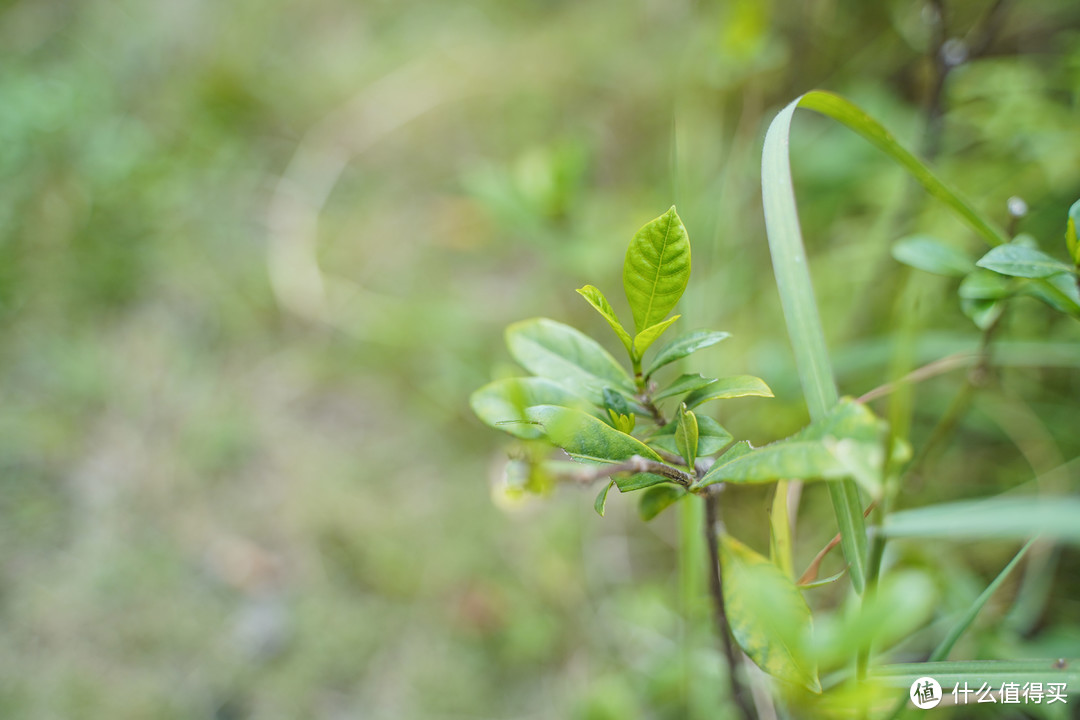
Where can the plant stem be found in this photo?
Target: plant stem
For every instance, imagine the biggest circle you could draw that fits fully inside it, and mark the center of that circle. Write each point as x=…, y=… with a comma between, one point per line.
x=716, y=588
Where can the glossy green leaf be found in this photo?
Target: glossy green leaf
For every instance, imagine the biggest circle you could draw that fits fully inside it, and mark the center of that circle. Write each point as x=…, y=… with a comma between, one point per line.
x=602, y=306
x=941, y=652
x=768, y=616
x=929, y=254
x=657, y=499
x=615, y=402
x=601, y=499
x=684, y=345
x=583, y=436
x=1004, y=516
x=684, y=384
x=639, y=481
x=650, y=334
x=656, y=269
x=729, y=387
x=565, y=355
x=807, y=453
x=686, y=435
x=712, y=437
x=1072, y=242
x=1021, y=261
x=501, y=404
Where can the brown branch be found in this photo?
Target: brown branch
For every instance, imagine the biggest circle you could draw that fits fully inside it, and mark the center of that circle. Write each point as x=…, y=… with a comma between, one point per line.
x=636, y=464
x=938, y=367
x=716, y=589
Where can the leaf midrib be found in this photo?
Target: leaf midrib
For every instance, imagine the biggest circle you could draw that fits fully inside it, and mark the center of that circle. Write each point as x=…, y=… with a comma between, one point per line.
x=656, y=277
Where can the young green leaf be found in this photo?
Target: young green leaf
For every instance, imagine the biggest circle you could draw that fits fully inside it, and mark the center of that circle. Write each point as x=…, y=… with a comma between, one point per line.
x=560, y=353
x=686, y=435
x=684, y=384
x=601, y=499
x=780, y=530
x=639, y=481
x=501, y=404
x=682, y=346
x=806, y=454
x=712, y=437
x=648, y=336
x=1072, y=243
x=1020, y=261
x=583, y=436
x=933, y=256
x=656, y=269
x=657, y=499
x=729, y=387
x=1058, y=291
x=768, y=616
x=615, y=402
x=602, y=306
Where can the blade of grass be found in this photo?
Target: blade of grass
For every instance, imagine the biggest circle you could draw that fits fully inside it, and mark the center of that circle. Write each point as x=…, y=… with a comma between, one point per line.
x=796, y=290
x=941, y=652
x=976, y=672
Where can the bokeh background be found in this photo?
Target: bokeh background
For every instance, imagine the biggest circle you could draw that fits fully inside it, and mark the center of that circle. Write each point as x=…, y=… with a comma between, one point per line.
x=255, y=255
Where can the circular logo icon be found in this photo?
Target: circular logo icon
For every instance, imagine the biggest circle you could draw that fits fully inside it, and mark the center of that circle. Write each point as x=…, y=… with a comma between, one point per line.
x=925, y=693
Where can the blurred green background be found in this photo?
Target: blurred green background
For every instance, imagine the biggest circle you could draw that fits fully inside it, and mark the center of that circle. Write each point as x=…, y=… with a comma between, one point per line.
x=255, y=255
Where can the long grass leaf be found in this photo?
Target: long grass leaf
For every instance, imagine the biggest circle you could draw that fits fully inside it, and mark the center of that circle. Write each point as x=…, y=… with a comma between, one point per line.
x=941, y=652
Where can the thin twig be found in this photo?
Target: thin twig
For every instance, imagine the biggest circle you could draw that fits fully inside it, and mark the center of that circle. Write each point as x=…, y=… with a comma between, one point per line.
x=716, y=589
x=636, y=464
x=938, y=367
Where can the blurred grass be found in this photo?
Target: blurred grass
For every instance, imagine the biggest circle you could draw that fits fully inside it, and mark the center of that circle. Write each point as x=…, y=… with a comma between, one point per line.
x=215, y=503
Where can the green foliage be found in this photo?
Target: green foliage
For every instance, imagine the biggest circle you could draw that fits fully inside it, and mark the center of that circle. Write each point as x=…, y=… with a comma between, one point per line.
x=712, y=437
x=768, y=615
x=602, y=306
x=1022, y=261
x=683, y=346
x=729, y=387
x=656, y=499
x=930, y=254
x=686, y=435
x=656, y=269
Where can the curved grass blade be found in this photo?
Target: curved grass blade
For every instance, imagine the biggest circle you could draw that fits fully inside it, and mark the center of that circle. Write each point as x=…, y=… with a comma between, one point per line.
x=941, y=652
x=1052, y=518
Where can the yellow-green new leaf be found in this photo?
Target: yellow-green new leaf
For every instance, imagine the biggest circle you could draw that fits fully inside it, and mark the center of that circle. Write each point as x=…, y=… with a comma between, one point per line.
x=502, y=404
x=1071, y=228
x=768, y=615
x=648, y=336
x=686, y=435
x=585, y=437
x=712, y=437
x=602, y=306
x=729, y=387
x=808, y=454
x=601, y=499
x=656, y=269
x=560, y=353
